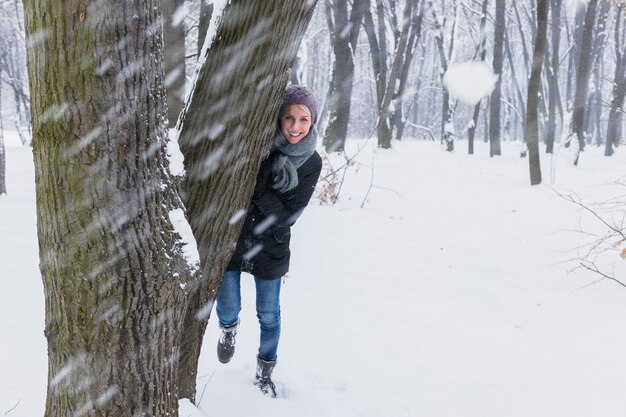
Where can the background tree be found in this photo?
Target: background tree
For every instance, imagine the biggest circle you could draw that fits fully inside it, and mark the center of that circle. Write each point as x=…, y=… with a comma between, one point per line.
x=445, y=58
x=344, y=26
x=582, y=79
x=481, y=51
x=554, y=60
x=614, y=128
x=498, y=54
x=532, y=121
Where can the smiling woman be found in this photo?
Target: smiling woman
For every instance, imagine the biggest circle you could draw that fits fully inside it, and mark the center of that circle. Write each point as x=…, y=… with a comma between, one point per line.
x=284, y=186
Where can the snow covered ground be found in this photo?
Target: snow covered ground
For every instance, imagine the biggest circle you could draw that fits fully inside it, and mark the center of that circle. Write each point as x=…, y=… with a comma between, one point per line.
x=447, y=295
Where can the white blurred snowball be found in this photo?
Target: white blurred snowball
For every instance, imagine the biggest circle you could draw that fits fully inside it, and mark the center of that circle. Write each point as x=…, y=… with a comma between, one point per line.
x=469, y=81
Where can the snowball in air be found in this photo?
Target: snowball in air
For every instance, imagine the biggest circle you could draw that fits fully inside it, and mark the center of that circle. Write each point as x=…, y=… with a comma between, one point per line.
x=469, y=81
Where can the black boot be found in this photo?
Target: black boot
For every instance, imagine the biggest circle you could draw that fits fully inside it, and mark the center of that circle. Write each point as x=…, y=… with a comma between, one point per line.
x=226, y=343
x=263, y=378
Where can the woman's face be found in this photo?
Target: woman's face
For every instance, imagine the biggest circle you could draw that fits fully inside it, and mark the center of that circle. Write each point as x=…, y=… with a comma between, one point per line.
x=295, y=123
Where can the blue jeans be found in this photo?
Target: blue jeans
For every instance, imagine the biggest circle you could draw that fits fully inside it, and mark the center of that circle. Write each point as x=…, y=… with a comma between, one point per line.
x=267, y=309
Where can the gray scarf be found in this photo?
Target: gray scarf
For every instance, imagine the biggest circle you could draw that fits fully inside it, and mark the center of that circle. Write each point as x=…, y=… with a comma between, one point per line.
x=289, y=158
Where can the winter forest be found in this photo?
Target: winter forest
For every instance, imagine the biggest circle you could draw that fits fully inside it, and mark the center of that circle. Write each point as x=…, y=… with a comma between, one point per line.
x=463, y=254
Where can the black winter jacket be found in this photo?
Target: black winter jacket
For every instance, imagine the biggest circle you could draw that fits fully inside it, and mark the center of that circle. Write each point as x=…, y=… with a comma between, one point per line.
x=263, y=244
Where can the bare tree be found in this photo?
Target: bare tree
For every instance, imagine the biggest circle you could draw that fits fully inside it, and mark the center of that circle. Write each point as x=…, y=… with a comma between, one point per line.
x=482, y=54
x=532, y=122
x=445, y=58
x=554, y=99
x=344, y=27
x=498, y=49
x=582, y=79
x=614, y=129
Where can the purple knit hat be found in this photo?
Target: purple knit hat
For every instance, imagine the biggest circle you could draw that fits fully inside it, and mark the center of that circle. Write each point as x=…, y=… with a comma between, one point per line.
x=299, y=94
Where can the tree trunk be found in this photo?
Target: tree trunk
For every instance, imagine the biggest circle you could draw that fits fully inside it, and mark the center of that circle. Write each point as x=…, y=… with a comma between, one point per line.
x=534, y=84
x=174, y=59
x=112, y=262
x=227, y=129
x=206, y=12
x=614, y=128
x=554, y=95
x=482, y=52
x=384, y=128
x=494, y=120
x=582, y=78
x=344, y=30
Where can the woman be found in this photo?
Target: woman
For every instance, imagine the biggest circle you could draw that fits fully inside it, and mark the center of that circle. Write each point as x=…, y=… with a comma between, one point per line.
x=284, y=186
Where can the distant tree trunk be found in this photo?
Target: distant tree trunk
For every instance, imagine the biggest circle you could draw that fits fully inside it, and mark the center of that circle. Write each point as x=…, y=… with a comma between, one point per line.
x=383, y=128
x=206, y=12
x=534, y=84
x=498, y=48
x=448, y=106
x=112, y=261
x=594, y=125
x=227, y=130
x=482, y=52
x=554, y=95
x=174, y=59
x=614, y=128
x=398, y=118
x=3, y=167
x=582, y=78
x=344, y=31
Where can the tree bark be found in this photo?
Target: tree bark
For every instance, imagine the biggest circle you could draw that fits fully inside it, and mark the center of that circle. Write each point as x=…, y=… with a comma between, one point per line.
x=344, y=29
x=226, y=131
x=482, y=52
x=534, y=84
x=494, y=119
x=554, y=95
x=174, y=59
x=614, y=128
x=112, y=262
x=582, y=78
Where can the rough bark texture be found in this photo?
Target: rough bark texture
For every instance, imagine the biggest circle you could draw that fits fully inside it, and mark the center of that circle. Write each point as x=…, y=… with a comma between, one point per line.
x=227, y=129
x=111, y=262
x=534, y=84
x=174, y=59
x=498, y=55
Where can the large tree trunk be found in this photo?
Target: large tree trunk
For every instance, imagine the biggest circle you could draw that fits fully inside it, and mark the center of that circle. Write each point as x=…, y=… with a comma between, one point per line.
x=498, y=54
x=174, y=59
x=343, y=42
x=534, y=84
x=582, y=78
x=112, y=262
x=226, y=131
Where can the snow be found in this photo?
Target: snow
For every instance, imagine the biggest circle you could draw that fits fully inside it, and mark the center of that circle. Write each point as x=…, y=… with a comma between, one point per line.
x=469, y=81
x=449, y=294
x=181, y=226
